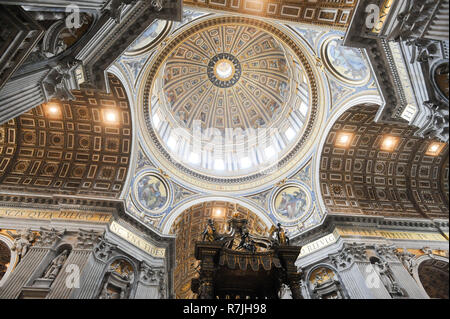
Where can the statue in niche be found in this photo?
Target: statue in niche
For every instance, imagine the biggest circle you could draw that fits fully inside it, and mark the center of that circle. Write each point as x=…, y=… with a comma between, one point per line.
x=56, y=265
x=22, y=241
x=387, y=278
x=118, y=280
x=324, y=284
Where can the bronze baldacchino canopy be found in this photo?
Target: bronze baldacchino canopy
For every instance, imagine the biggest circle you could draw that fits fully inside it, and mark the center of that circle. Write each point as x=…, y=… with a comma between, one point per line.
x=240, y=265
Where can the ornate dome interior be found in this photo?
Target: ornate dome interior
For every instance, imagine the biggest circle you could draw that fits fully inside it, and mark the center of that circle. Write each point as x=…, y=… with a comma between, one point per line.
x=238, y=90
x=224, y=149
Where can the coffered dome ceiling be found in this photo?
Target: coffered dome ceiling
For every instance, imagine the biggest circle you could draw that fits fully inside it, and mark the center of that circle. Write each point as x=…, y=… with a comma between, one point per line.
x=227, y=76
x=229, y=102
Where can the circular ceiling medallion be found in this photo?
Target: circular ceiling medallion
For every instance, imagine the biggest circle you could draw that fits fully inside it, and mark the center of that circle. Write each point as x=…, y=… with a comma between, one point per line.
x=224, y=70
x=345, y=63
x=291, y=202
x=151, y=193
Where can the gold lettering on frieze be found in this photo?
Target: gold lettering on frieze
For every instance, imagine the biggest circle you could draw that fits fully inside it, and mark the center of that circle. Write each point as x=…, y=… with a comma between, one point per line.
x=351, y=232
x=47, y=215
x=318, y=244
x=137, y=240
x=345, y=232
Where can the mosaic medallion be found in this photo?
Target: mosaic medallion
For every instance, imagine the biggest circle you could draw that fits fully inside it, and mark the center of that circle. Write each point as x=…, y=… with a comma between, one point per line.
x=345, y=63
x=152, y=193
x=291, y=202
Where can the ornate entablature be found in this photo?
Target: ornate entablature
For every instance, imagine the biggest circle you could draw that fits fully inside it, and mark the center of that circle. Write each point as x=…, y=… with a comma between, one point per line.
x=407, y=45
x=108, y=236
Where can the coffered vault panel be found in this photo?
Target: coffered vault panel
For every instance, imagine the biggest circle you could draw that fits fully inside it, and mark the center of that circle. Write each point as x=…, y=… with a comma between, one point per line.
x=363, y=179
x=79, y=147
x=336, y=14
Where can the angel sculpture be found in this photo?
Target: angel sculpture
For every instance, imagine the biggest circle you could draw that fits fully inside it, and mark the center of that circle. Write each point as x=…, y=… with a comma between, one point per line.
x=210, y=233
x=22, y=241
x=246, y=242
x=281, y=238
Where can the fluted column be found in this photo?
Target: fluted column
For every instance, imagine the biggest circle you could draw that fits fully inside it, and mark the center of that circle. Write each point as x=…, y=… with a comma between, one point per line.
x=351, y=263
x=23, y=272
x=373, y=281
x=151, y=282
x=355, y=282
x=62, y=286
x=407, y=282
x=144, y=291
x=22, y=94
x=438, y=26
x=90, y=279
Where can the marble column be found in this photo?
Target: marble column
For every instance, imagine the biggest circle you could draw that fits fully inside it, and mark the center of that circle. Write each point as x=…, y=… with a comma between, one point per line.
x=22, y=94
x=373, y=282
x=90, y=279
x=63, y=285
x=407, y=282
x=23, y=272
x=150, y=281
x=437, y=28
x=355, y=282
x=144, y=291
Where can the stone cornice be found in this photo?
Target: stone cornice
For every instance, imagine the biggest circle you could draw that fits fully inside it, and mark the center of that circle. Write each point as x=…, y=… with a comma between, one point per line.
x=369, y=222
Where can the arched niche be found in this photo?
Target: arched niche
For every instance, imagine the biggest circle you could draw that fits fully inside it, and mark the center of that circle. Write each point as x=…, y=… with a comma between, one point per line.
x=432, y=275
x=386, y=277
x=119, y=279
x=47, y=272
x=8, y=258
x=188, y=228
x=323, y=282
